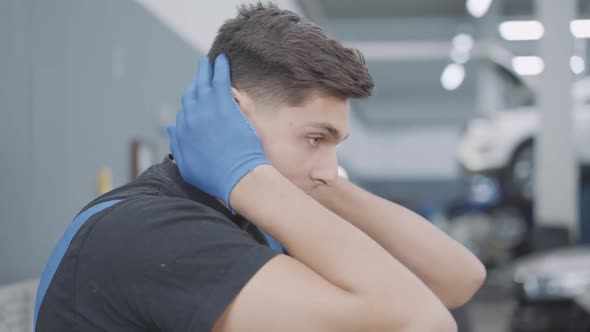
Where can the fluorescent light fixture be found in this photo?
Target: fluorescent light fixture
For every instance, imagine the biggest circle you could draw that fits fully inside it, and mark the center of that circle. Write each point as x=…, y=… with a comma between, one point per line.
x=478, y=8
x=460, y=57
x=462, y=46
x=534, y=30
x=521, y=30
x=463, y=42
x=580, y=28
x=578, y=65
x=452, y=76
x=528, y=65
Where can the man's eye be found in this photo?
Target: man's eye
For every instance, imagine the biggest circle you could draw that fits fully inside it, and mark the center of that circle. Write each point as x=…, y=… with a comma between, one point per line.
x=315, y=141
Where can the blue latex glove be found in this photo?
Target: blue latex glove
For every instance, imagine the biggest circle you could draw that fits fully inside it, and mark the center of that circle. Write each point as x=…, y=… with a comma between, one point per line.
x=213, y=142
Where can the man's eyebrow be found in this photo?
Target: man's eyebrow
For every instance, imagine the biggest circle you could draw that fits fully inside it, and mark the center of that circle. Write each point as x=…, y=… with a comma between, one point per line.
x=335, y=133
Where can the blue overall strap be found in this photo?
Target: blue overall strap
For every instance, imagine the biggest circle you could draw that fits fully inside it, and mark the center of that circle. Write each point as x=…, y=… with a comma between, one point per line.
x=60, y=250
x=272, y=243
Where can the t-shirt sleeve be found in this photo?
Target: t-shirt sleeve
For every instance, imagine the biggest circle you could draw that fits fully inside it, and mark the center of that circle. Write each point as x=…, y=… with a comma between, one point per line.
x=181, y=264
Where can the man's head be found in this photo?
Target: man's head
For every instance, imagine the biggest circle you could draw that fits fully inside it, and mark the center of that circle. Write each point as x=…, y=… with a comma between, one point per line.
x=293, y=83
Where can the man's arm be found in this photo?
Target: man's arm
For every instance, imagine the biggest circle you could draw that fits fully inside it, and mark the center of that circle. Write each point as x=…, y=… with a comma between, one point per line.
x=451, y=271
x=339, y=278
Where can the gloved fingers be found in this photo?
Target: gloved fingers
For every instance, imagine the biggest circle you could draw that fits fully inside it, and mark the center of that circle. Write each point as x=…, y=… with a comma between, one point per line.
x=203, y=76
x=181, y=121
x=221, y=75
x=190, y=91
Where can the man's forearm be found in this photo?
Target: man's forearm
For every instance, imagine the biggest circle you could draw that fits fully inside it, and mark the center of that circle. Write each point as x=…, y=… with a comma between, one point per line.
x=304, y=228
x=330, y=246
x=445, y=266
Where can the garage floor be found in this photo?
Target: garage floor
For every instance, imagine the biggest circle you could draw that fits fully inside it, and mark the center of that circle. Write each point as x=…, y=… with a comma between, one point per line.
x=488, y=311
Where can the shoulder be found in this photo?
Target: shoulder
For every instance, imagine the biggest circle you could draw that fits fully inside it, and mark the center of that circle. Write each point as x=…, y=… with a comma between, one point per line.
x=140, y=234
x=163, y=218
x=180, y=261
x=170, y=210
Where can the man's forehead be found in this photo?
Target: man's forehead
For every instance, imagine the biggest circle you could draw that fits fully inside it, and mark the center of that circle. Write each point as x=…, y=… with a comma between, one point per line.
x=323, y=112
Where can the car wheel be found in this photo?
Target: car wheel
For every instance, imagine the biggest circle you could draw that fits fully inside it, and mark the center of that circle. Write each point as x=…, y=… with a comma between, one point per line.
x=509, y=228
x=520, y=173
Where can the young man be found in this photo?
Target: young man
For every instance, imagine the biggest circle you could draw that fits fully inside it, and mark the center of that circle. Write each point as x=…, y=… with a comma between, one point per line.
x=172, y=252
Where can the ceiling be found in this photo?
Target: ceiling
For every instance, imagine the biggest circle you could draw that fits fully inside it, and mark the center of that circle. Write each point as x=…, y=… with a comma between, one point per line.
x=427, y=24
x=344, y=9
x=335, y=9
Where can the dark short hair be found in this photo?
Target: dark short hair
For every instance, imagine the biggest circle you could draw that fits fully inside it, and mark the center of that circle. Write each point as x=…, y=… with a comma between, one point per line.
x=276, y=55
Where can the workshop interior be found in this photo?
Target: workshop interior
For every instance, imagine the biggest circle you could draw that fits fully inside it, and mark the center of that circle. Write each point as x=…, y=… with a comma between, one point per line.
x=479, y=121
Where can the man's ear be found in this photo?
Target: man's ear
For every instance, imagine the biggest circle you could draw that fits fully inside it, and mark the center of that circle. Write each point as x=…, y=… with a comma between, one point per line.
x=244, y=101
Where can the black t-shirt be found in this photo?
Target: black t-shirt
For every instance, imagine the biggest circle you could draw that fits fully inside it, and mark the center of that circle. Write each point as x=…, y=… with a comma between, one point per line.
x=167, y=258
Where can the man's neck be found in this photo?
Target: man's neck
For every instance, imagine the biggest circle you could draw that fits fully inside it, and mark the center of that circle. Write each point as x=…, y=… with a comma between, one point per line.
x=220, y=201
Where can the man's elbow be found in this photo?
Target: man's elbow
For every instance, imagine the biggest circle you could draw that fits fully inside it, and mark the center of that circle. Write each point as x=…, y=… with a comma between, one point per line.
x=466, y=286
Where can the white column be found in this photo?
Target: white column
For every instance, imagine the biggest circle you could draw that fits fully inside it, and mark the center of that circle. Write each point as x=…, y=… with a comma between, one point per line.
x=489, y=92
x=556, y=171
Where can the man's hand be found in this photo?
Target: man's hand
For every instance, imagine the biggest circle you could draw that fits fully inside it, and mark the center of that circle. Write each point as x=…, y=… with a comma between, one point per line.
x=213, y=143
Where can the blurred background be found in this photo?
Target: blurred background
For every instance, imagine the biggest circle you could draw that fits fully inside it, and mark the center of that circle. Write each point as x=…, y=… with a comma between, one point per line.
x=480, y=121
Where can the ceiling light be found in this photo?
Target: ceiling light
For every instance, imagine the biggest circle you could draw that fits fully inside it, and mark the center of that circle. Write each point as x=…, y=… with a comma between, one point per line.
x=577, y=64
x=478, y=8
x=463, y=42
x=521, y=30
x=528, y=65
x=452, y=76
x=459, y=57
x=580, y=28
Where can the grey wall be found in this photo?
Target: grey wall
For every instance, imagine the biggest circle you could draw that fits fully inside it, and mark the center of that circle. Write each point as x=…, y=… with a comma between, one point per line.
x=79, y=80
x=16, y=118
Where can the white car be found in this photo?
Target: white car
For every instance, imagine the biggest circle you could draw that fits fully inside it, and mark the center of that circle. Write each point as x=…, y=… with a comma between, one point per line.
x=502, y=144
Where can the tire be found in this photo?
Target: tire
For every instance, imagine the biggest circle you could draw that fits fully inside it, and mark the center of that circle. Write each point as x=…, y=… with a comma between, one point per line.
x=519, y=175
x=510, y=228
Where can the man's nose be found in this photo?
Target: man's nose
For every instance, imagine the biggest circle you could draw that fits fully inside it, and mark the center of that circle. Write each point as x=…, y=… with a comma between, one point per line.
x=325, y=170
